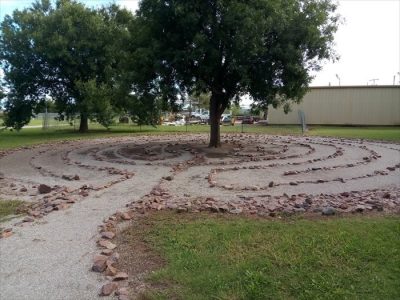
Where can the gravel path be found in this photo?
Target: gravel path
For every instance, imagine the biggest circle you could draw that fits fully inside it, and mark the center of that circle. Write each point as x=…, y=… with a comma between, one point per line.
x=49, y=256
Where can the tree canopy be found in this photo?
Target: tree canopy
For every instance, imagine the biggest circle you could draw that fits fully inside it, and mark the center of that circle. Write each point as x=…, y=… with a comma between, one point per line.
x=230, y=48
x=93, y=62
x=67, y=52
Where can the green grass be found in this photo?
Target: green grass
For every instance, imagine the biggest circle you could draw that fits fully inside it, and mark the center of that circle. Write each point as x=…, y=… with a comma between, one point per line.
x=35, y=122
x=39, y=122
x=9, y=208
x=371, y=133
x=30, y=136
x=241, y=258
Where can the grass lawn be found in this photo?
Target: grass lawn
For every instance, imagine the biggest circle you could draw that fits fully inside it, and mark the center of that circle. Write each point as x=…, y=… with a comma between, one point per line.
x=230, y=257
x=35, y=122
x=9, y=208
x=30, y=136
x=370, y=133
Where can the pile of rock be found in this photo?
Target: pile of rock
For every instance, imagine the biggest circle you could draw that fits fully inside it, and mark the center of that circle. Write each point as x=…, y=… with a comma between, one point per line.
x=106, y=261
x=348, y=202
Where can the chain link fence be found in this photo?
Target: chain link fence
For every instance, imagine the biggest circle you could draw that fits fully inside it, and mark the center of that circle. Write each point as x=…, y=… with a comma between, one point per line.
x=48, y=120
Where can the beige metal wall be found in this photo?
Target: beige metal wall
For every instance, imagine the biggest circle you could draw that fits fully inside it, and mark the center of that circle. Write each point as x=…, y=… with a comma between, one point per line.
x=352, y=105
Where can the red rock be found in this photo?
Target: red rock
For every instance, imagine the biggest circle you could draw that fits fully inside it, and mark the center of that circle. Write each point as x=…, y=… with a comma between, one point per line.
x=271, y=184
x=126, y=216
x=290, y=173
x=7, y=234
x=100, y=263
x=84, y=193
x=181, y=209
x=386, y=196
x=34, y=213
x=223, y=208
x=107, y=244
x=108, y=235
x=110, y=270
x=23, y=189
x=107, y=252
x=48, y=209
x=108, y=288
x=120, y=276
x=28, y=219
x=61, y=206
x=114, y=258
x=123, y=297
x=214, y=208
x=121, y=291
x=359, y=208
x=66, y=177
x=56, y=202
x=44, y=189
x=70, y=200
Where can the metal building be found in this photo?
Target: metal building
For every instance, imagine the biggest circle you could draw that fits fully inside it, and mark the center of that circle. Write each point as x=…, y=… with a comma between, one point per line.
x=345, y=105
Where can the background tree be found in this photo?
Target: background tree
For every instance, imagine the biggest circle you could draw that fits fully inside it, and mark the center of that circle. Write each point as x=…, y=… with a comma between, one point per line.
x=230, y=48
x=66, y=51
x=202, y=100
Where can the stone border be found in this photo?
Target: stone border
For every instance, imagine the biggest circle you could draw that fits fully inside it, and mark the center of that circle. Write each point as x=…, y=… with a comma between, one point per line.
x=160, y=199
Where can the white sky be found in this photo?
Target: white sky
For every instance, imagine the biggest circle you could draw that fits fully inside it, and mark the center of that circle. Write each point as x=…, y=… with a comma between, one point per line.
x=368, y=42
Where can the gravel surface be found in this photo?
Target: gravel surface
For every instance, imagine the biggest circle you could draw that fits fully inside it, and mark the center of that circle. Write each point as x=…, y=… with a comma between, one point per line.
x=50, y=254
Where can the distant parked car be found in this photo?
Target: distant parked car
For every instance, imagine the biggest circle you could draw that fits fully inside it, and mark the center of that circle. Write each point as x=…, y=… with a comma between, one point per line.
x=196, y=115
x=227, y=120
x=248, y=120
x=205, y=118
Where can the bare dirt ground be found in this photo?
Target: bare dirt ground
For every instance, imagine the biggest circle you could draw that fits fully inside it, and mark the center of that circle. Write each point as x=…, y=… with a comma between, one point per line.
x=48, y=255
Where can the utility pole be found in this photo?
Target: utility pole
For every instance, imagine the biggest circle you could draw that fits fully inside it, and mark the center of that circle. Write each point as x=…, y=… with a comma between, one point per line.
x=337, y=76
x=374, y=80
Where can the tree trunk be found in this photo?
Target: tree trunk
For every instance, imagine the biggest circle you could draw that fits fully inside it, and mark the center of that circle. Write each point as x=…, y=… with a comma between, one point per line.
x=266, y=114
x=84, y=126
x=215, y=117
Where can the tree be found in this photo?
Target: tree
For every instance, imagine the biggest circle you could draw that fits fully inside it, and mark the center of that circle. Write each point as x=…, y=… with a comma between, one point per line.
x=202, y=100
x=230, y=48
x=66, y=52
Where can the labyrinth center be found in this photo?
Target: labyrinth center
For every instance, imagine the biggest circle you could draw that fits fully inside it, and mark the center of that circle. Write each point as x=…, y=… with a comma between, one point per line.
x=255, y=174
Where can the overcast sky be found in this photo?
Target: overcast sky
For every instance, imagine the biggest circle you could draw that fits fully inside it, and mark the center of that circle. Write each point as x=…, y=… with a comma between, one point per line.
x=368, y=42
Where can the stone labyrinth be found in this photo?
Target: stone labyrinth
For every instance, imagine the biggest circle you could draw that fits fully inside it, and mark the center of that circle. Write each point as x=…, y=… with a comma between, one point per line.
x=254, y=174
